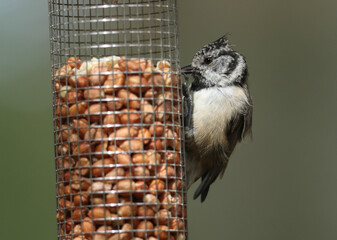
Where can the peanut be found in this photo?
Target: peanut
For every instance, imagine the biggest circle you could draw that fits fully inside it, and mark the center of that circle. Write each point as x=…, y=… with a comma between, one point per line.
x=152, y=238
x=161, y=232
x=110, y=121
x=165, y=171
x=73, y=139
x=153, y=159
x=129, y=116
x=114, y=175
x=77, y=229
x=113, y=104
x=142, y=226
x=78, y=108
x=118, y=154
x=172, y=158
x=116, y=221
x=144, y=211
x=82, y=148
x=79, y=183
x=140, y=158
x=69, y=190
x=163, y=216
x=101, y=150
x=100, y=187
x=81, y=125
x=102, y=166
x=149, y=71
x=91, y=133
x=74, y=62
x=78, y=81
x=64, y=71
x=151, y=93
x=152, y=201
x=95, y=110
x=62, y=110
x=140, y=189
x=69, y=95
x=125, y=235
x=81, y=200
x=163, y=111
x=145, y=135
x=132, y=145
x=147, y=112
x=102, y=233
x=124, y=133
x=125, y=187
x=155, y=145
x=97, y=201
x=130, y=65
x=176, y=224
x=177, y=209
x=137, y=84
x=65, y=162
x=161, y=65
x=156, y=186
x=125, y=211
x=87, y=225
x=181, y=236
x=129, y=99
x=79, y=213
x=93, y=93
x=100, y=215
x=157, y=80
x=80, y=238
x=97, y=75
x=157, y=129
x=63, y=203
x=141, y=171
x=100, y=135
x=114, y=81
x=176, y=185
x=166, y=200
x=112, y=198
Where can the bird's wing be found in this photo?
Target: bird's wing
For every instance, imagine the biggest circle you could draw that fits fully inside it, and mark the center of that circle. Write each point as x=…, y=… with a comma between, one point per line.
x=188, y=105
x=208, y=178
x=238, y=127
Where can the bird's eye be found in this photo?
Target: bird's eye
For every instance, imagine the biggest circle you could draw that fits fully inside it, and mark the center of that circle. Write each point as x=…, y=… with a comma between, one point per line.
x=207, y=60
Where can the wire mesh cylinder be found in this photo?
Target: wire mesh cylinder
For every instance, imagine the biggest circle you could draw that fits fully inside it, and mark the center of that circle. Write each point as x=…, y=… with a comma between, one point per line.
x=117, y=120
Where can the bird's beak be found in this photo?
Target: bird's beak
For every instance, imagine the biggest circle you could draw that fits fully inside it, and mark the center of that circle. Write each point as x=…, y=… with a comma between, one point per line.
x=187, y=69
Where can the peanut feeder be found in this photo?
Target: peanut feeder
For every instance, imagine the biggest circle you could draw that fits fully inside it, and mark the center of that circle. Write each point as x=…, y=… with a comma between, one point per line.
x=117, y=110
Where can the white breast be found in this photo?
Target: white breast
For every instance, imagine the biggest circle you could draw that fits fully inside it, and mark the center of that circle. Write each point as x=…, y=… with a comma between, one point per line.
x=213, y=108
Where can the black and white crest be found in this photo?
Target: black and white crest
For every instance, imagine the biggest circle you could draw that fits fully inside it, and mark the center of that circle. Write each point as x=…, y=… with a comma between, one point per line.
x=220, y=44
x=217, y=64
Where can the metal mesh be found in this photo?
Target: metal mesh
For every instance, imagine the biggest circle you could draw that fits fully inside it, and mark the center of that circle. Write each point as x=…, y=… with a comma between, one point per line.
x=117, y=113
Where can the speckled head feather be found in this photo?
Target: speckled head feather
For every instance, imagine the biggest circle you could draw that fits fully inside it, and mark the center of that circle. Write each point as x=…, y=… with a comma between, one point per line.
x=220, y=44
x=217, y=64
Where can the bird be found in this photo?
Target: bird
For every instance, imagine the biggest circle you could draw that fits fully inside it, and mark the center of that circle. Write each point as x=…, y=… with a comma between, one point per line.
x=218, y=112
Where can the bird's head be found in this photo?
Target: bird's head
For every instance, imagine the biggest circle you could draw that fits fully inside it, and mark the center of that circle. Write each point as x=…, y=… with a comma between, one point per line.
x=217, y=65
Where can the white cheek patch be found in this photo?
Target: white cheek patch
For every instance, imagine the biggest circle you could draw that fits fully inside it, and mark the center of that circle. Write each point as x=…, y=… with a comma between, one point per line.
x=216, y=74
x=213, y=77
x=239, y=70
x=222, y=63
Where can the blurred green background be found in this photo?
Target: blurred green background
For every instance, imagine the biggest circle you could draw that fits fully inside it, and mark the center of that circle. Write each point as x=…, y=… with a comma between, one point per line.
x=282, y=185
